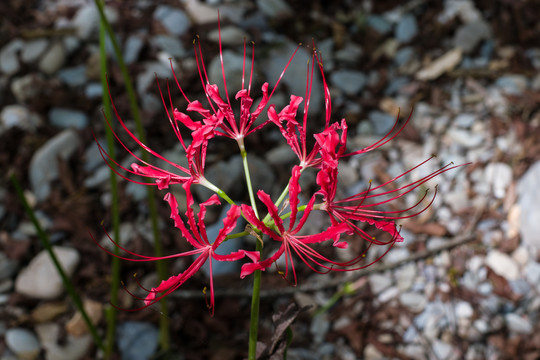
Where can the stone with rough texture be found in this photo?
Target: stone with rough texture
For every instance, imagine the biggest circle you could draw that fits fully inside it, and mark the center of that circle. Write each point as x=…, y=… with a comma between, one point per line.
x=274, y=8
x=137, y=340
x=528, y=200
x=71, y=347
x=66, y=118
x=18, y=116
x=33, y=49
x=413, y=301
x=9, y=64
x=469, y=35
x=502, y=265
x=86, y=20
x=499, y=176
x=350, y=82
x=53, y=59
x=23, y=343
x=40, y=279
x=43, y=166
x=518, y=324
x=175, y=21
x=440, y=65
x=406, y=29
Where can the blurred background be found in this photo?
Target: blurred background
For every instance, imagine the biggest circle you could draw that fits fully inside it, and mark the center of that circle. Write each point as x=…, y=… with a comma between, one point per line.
x=463, y=285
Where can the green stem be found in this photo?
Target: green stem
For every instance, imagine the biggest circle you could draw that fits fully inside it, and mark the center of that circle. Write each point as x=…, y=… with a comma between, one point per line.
x=243, y=152
x=111, y=311
x=255, y=307
x=284, y=193
x=160, y=265
x=255, y=295
x=222, y=194
x=65, y=279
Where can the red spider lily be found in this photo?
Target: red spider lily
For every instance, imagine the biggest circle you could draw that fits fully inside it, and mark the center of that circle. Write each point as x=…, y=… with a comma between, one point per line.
x=290, y=241
x=195, y=153
x=294, y=132
x=366, y=205
x=221, y=115
x=197, y=237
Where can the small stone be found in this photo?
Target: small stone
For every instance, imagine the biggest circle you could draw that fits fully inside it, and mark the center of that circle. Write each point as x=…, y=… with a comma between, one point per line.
x=40, y=279
x=23, y=343
x=350, y=82
x=137, y=340
x=76, y=326
x=379, y=24
x=174, y=20
x=33, y=49
x=72, y=348
x=465, y=120
x=66, y=118
x=512, y=84
x=8, y=267
x=518, y=324
x=441, y=349
x=281, y=155
x=48, y=312
x=86, y=20
x=9, y=63
x=18, y=116
x=43, y=166
x=230, y=35
x=170, y=44
x=132, y=48
x=413, y=301
x=372, y=353
x=73, y=76
x=469, y=35
x=382, y=122
x=464, y=310
x=350, y=53
x=404, y=56
x=499, y=176
x=502, y=265
x=405, y=276
x=53, y=59
x=528, y=200
x=319, y=328
x=466, y=138
x=388, y=294
x=274, y=8
x=406, y=29
x=532, y=273
x=379, y=282
x=201, y=13
x=93, y=90
x=28, y=87
x=441, y=65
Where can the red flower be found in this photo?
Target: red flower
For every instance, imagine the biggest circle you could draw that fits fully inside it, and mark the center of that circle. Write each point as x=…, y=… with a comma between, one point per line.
x=197, y=237
x=295, y=132
x=367, y=206
x=290, y=241
x=195, y=153
x=220, y=115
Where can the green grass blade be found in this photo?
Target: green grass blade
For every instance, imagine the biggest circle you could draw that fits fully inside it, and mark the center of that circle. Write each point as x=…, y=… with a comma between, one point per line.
x=152, y=208
x=110, y=311
x=65, y=279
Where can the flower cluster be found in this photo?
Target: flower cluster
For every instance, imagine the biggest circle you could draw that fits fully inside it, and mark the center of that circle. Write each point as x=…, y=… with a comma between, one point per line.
x=329, y=147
